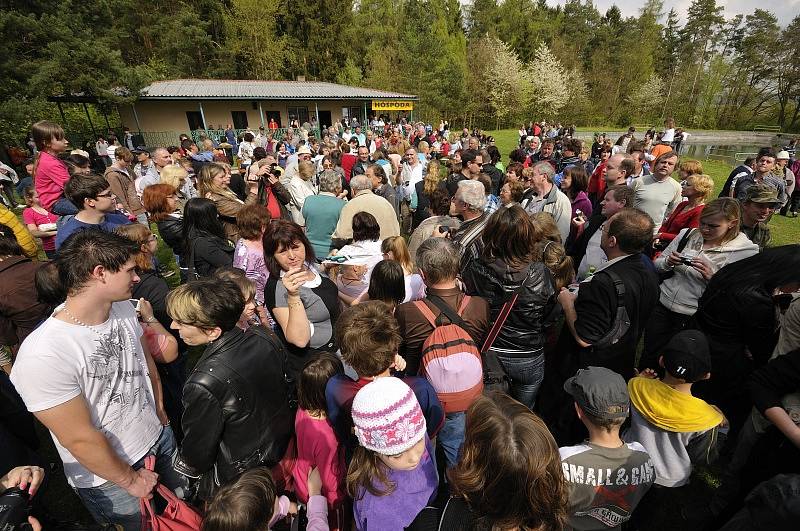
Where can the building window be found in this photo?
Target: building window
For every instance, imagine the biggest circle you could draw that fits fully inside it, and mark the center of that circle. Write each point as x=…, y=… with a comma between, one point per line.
x=298, y=113
x=239, y=119
x=348, y=113
x=195, y=120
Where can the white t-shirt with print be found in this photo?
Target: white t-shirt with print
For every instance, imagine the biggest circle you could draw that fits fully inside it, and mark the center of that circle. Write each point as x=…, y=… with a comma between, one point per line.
x=61, y=360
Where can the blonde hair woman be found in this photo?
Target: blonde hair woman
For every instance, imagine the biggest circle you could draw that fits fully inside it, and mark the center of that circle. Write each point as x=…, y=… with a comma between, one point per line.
x=212, y=183
x=177, y=177
x=696, y=189
x=395, y=248
x=425, y=188
x=717, y=243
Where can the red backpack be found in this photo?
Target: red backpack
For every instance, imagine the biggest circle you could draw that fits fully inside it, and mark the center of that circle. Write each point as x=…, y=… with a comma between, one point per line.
x=450, y=359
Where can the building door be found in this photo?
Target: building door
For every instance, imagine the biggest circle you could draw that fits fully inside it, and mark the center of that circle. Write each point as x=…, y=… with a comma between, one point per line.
x=325, y=119
x=195, y=120
x=239, y=119
x=298, y=113
x=274, y=115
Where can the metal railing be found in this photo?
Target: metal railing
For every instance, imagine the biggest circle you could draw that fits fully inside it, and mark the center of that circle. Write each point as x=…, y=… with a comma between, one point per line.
x=218, y=135
x=717, y=153
x=766, y=128
x=162, y=138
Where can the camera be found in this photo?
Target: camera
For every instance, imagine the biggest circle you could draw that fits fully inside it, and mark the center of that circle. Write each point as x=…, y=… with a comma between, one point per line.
x=686, y=260
x=275, y=170
x=14, y=509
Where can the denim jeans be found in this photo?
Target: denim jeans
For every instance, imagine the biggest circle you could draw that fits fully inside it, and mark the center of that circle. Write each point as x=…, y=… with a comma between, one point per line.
x=526, y=375
x=110, y=504
x=64, y=207
x=451, y=436
x=24, y=183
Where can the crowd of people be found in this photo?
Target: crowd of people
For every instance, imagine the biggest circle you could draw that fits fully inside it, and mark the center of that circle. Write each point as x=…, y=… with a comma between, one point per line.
x=389, y=328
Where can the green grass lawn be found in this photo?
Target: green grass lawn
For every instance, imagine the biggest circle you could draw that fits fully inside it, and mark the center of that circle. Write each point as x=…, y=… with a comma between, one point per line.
x=784, y=230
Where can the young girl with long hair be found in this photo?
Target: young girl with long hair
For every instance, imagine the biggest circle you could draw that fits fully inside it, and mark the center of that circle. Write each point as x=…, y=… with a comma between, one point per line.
x=392, y=475
x=317, y=445
x=40, y=222
x=50, y=174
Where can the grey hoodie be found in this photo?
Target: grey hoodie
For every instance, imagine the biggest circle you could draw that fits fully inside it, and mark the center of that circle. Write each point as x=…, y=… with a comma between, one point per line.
x=681, y=292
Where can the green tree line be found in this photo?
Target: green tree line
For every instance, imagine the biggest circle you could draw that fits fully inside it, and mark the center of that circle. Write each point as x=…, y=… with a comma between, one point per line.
x=490, y=64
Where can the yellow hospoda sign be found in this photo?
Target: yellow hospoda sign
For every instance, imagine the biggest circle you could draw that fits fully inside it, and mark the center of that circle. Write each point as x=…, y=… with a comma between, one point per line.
x=392, y=105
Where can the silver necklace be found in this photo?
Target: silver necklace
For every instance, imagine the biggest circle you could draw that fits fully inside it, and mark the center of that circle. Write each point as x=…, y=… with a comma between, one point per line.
x=111, y=313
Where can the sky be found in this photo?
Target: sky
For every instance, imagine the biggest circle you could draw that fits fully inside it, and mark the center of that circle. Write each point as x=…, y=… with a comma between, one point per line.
x=785, y=10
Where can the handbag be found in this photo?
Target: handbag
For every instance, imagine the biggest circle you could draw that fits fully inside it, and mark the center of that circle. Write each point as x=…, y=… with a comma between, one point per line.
x=494, y=375
x=177, y=516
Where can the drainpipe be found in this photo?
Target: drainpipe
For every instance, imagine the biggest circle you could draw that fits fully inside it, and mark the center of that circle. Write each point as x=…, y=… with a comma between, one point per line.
x=136, y=118
x=202, y=115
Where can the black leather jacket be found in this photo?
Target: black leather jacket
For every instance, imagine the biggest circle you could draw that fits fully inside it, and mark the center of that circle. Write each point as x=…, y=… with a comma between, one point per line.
x=524, y=330
x=171, y=231
x=238, y=408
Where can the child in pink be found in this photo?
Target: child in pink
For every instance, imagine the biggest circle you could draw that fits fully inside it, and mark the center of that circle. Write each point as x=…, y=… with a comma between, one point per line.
x=317, y=445
x=40, y=222
x=49, y=172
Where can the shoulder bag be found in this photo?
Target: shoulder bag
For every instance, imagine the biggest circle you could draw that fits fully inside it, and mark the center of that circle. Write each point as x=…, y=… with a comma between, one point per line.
x=494, y=376
x=177, y=516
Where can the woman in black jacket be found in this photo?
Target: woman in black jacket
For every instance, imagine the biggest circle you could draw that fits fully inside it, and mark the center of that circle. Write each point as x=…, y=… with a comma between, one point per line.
x=206, y=247
x=237, y=400
x=506, y=272
x=738, y=314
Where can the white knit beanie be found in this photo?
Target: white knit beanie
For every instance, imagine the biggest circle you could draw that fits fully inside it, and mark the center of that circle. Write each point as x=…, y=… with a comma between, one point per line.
x=387, y=416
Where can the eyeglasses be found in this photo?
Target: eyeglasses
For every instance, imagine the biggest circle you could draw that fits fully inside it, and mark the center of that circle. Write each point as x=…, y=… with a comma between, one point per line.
x=105, y=194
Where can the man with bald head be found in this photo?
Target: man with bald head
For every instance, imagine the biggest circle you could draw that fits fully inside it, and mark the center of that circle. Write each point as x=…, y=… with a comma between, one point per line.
x=619, y=169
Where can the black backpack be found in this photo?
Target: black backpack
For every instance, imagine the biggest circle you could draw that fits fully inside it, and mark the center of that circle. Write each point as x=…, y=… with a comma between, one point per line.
x=622, y=321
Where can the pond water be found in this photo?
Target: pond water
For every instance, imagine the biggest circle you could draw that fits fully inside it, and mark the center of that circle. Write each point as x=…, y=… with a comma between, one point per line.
x=723, y=152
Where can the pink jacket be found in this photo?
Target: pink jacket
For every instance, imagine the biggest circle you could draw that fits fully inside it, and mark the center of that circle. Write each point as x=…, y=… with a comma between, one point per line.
x=316, y=511
x=51, y=176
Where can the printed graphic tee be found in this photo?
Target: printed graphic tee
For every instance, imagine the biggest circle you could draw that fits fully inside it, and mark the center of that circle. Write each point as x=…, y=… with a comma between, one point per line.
x=605, y=484
x=106, y=365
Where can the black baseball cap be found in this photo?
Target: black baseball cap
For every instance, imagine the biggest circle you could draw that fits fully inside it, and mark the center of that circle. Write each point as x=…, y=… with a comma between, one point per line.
x=601, y=392
x=687, y=356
